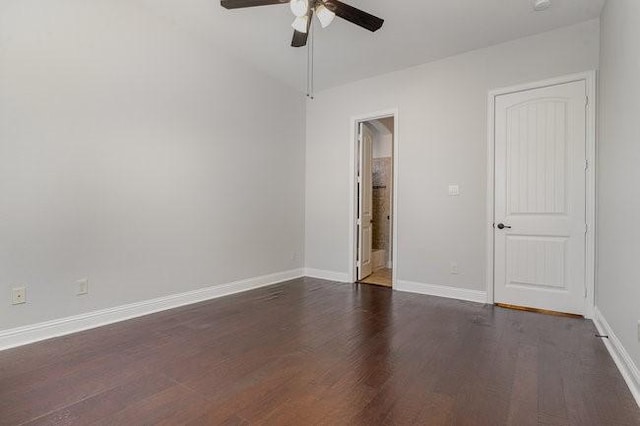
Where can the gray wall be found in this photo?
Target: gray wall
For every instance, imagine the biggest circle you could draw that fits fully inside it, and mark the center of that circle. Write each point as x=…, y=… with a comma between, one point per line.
x=138, y=156
x=442, y=140
x=618, y=272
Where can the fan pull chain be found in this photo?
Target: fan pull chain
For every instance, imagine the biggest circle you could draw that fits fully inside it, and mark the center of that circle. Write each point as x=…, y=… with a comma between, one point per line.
x=310, y=65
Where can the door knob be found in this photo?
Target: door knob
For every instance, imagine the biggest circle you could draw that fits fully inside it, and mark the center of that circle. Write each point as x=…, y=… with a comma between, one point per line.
x=503, y=226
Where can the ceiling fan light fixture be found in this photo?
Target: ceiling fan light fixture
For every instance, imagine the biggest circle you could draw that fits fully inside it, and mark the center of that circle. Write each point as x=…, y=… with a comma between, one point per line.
x=299, y=7
x=325, y=16
x=300, y=24
x=540, y=5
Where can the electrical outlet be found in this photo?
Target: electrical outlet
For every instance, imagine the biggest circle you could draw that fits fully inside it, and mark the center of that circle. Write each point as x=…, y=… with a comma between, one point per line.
x=18, y=295
x=454, y=268
x=454, y=190
x=82, y=287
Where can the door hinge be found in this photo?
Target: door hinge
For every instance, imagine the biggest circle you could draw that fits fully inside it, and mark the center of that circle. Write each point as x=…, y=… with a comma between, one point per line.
x=586, y=101
x=586, y=228
x=586, y=164
x=585, y=292
x=359, y=222
x=358, y=264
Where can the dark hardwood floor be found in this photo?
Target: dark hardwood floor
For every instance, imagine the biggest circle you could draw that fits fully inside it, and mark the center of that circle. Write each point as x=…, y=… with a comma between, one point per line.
x=315, y=352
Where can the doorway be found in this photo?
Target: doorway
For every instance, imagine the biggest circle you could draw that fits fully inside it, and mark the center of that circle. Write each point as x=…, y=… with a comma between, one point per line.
x=542, y=196
x=374, y=213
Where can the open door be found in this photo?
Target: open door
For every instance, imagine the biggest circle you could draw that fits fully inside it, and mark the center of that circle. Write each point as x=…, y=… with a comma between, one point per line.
x=365, y=201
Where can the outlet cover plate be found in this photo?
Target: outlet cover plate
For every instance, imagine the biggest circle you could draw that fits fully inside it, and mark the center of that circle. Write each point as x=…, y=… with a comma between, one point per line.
x=18, y=295
x=82, y=287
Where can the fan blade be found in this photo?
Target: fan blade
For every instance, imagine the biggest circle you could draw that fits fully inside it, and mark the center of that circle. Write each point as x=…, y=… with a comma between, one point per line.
x=237, y=4
x=300, y=39
x=355, y=16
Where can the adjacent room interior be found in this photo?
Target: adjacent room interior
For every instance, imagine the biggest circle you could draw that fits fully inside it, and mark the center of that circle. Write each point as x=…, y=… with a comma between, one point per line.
x=319, y=212
x=374, y=180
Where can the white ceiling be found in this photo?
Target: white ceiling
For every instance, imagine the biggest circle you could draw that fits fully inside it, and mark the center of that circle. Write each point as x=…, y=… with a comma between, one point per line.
x=414, y=32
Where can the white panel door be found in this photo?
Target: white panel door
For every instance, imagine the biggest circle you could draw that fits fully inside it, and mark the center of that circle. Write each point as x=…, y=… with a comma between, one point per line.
x=540, y=183
x=365, y=204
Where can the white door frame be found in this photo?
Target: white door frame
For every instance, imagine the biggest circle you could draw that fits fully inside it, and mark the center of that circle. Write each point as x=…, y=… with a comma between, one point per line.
x=589, y=78
x=353, y=191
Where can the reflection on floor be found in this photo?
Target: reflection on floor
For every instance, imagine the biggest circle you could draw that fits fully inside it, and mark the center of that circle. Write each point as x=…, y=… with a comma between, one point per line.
x=379, y=277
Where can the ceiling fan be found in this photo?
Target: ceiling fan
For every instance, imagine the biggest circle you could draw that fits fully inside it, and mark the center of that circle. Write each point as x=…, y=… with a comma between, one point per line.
x=303, y=10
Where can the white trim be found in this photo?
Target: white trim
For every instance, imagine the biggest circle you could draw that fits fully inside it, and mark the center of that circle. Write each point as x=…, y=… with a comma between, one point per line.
x=591, y=200
x=621, y=357
x=590, y=79
x=491, y=185
x=327, y=275
x=353, y=182
x=45, y=330
x=442, y=291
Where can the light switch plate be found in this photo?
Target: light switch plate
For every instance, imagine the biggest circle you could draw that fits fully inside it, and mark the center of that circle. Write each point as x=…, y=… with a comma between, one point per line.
x=454, y=190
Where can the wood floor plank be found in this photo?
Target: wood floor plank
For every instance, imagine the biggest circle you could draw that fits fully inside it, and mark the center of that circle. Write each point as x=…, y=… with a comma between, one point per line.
x=523, y=406
x=174, y=405
x=316, y=352
x=103, y=405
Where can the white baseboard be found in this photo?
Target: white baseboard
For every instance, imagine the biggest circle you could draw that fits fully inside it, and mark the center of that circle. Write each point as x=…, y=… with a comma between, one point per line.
x=327, y=275
x=621, y=357
x=442, y=291
x=45, y=330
